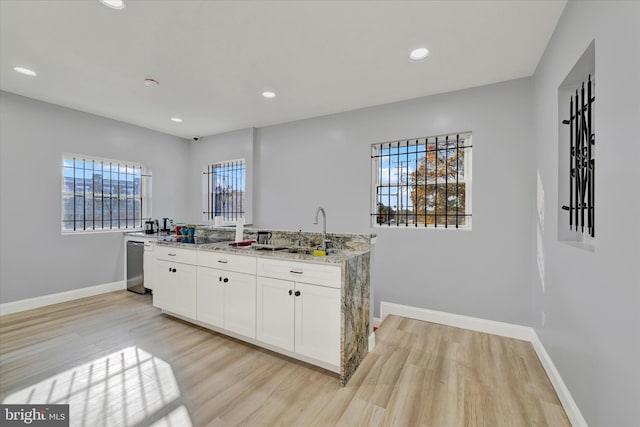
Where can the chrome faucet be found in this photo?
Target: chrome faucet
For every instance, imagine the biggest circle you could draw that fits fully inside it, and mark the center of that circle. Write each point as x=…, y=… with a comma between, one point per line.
x=324, y=226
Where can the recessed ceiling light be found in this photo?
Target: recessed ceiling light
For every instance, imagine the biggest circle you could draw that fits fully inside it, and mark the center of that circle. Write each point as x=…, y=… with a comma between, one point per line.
x=149, y=82
x=269, y=94
x=25, y=71
x=113, y=4
x=176, y=119
x=419, y=53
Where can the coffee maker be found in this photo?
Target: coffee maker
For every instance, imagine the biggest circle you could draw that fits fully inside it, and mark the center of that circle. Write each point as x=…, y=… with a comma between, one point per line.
x=167, y=225
x=149, y=226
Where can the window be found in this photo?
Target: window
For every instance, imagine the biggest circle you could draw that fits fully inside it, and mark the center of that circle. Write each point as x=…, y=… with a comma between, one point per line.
x=424, y=182
x=226, y=191
x=102, y=194
x=577, y=154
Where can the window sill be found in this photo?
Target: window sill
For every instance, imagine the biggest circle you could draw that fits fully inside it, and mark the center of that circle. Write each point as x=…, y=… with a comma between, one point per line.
x=585, y=245
x=413, y=227
x=85, y=232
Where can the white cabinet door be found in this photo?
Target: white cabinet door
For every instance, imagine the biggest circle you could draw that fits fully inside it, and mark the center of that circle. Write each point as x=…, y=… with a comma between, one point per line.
x=173, y=254
x=275, y=311
x=317, y=314
x=148, y=266
x=184, y=290
x=240, y=303
x=210, y=292
x=305, y=272
x=162, y=297
x=175, y=288
x=226, y=261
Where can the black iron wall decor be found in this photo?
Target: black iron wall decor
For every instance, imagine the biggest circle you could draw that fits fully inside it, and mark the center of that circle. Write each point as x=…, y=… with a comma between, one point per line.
x=581, y=161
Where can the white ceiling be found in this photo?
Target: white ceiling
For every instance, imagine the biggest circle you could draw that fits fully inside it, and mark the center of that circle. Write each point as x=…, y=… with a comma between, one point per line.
x=214, y=58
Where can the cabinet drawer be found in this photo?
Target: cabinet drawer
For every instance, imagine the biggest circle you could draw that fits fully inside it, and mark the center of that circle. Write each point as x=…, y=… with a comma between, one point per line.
x=222, y=261
x=317, y=274
x=168, y=253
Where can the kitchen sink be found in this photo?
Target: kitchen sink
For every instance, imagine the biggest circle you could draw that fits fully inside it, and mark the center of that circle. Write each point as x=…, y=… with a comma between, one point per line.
x=307, y=250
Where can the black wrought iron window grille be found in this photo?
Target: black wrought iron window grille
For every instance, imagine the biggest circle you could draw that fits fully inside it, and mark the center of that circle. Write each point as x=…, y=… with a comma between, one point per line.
x=102, y=194
x=423, y=182
x=582, y=140
x=226, y=190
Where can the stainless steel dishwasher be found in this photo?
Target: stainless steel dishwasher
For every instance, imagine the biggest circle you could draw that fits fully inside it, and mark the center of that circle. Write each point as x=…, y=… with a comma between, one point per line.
x=135, y=271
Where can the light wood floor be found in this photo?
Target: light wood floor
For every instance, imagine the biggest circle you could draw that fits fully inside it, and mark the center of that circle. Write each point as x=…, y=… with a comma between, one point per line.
x=117, y=361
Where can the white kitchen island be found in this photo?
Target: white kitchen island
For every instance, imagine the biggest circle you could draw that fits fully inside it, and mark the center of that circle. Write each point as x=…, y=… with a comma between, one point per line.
x=314, y=309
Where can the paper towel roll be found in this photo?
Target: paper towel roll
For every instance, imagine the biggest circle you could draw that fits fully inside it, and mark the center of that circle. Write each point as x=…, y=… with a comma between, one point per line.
x=239, y=229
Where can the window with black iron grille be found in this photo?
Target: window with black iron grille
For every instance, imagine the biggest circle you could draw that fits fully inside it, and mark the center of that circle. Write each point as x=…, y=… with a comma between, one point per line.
x=226, y=190
x=422, y=182
x=102, y=194
x=582, y=163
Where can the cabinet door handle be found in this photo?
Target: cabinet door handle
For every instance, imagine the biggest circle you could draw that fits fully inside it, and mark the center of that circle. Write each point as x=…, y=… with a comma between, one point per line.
x=290, y=292
x=223, y=261
x=225, y=280
x=171, y=254
x=220, y=279
x=295, y=271
x=169, y=269
x=174, y=270
x=297, y=293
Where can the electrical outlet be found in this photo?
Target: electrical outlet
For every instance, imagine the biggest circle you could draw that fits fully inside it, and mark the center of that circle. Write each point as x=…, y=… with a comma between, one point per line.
x=543, y=318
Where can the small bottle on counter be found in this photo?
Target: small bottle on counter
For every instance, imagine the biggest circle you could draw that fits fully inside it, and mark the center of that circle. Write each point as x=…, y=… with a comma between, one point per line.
x=239, y=229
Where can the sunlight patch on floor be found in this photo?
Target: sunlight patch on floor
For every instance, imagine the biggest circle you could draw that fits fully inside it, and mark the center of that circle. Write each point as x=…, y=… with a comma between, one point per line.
x=179, y=417
x=123, y=388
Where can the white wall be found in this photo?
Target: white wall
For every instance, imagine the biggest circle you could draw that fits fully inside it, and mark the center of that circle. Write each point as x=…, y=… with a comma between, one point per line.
x=326, y=162
x=213, y=149
x=591, y=300
x=35, y=259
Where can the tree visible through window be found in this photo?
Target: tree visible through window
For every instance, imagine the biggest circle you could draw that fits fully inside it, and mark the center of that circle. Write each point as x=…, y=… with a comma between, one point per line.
x=423, y=182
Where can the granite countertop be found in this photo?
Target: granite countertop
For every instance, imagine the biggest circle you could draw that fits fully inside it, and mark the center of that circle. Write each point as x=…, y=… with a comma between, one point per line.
x=147, y=236
x=332, y=258
x=139, y=234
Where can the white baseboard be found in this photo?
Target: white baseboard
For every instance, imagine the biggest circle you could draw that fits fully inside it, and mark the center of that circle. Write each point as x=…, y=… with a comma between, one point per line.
x=472, y=323
x=376, y=322
x=44, y=300
x=569, y=405
x=372, y=341
x=508, y=330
